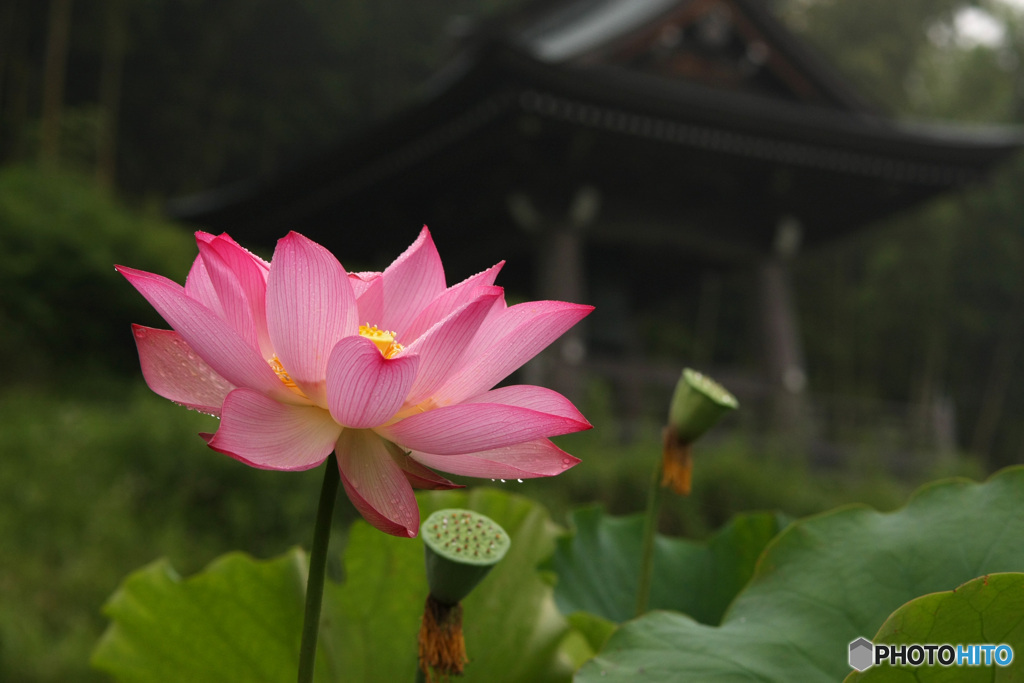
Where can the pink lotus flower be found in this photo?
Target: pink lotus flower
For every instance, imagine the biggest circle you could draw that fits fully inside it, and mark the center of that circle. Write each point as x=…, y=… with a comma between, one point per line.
x=393, y=371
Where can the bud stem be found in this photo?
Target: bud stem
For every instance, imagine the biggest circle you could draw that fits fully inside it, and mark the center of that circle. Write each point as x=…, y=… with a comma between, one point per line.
x=654, y=498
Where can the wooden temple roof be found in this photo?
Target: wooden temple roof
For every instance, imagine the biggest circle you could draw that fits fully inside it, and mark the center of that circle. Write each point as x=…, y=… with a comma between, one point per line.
x=701, y=124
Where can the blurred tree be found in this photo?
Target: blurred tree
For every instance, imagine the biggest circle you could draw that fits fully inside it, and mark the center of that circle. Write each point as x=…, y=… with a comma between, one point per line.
x=53, y=79
x=192, y=94
x=878, y=44
x=111, y=71
x=62, y=305
x=927, y=305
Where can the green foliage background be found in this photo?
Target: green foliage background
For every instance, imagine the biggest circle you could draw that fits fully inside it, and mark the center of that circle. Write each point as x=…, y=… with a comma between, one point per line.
x=62, y=305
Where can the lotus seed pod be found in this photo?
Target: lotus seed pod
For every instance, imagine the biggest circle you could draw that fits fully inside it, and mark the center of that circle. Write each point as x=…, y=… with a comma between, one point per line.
x=697, y=404
x=461, y=547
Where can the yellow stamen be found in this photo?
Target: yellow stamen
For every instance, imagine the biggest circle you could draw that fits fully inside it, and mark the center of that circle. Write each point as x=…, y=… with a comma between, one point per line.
x=442, y=647
x=282, y=374
x=384, y=339
x=421, y=407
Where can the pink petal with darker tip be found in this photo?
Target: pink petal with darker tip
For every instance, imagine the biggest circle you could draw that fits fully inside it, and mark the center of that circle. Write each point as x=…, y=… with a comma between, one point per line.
x=506, y=340
x=528, y=460
x=224, y=237
x=375, y=484
x=263, y=433
x=210, y=336
x=405, y=288
x=310, y=307
x=448, y=301
x=250, y=273
x=541, y=399
x=360, y=283
x=199, y=286
x=234, y=300
x=176, y=372
x=364, y=389
x=421, y=477
x=471, y=427
x=442, y=347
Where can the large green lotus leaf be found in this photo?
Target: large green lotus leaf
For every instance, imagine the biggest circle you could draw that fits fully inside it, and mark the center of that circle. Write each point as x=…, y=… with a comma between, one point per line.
x=825, y=581
x=240, y=619
x=598, y=566
x=370, y=621
x=593, y=629
x=989, y=609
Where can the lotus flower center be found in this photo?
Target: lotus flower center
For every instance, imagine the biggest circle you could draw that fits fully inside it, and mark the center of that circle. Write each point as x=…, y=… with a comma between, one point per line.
x=384, y=339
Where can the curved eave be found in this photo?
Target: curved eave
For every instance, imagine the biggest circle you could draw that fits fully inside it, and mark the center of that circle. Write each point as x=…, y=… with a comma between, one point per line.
x=736, y=123
x=483, y=91
x=553, y=33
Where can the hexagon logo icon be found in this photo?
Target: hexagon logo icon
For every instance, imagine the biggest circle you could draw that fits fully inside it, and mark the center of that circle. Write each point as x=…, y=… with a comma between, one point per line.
x=861, y=654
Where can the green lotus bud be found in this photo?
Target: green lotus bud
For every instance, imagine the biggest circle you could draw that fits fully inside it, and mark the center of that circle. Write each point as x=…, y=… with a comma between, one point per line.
x=461, y=548
x=697, y=404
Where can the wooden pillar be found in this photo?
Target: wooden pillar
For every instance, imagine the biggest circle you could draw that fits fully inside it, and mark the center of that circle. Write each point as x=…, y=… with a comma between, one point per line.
x=561, y=276
x=782, y=350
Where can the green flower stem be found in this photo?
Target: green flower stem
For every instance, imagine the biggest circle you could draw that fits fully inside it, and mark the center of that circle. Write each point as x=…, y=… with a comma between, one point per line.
x=317, y=567
x=654, y=498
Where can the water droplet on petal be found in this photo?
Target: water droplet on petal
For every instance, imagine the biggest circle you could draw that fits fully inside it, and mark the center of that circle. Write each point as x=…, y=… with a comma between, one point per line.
x=502, y=481
x=520, y=481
